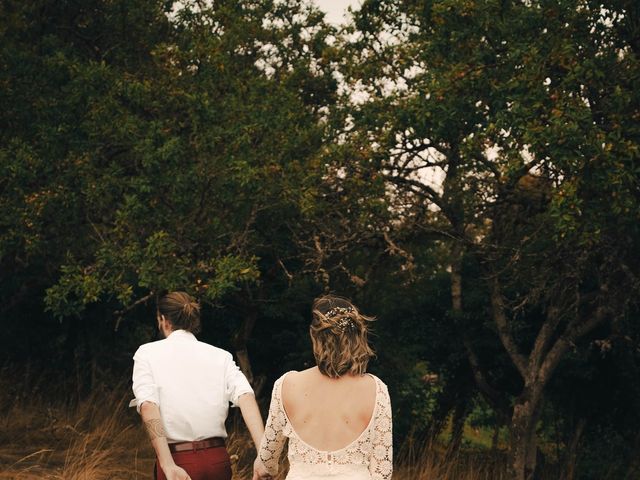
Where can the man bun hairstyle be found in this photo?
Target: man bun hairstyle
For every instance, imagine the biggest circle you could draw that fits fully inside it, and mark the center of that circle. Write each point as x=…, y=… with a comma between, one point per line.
x=339, y=336
x=181, y=310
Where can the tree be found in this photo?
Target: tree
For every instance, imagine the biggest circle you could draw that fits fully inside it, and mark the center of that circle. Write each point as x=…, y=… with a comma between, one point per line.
x=505, y=119
x=154, y=146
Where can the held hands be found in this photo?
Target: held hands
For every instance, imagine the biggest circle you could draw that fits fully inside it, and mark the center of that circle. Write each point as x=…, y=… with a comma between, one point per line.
x=260, y=471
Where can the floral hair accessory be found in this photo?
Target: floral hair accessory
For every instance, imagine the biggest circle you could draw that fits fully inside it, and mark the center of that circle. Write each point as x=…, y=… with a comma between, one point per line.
x=345, y=322
x=335, y=311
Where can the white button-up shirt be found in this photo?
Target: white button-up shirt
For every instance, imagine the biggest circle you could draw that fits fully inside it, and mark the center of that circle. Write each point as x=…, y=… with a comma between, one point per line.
x=191, y=382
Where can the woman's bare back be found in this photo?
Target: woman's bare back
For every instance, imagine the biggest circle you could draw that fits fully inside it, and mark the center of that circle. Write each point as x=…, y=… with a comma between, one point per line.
x=328, y=413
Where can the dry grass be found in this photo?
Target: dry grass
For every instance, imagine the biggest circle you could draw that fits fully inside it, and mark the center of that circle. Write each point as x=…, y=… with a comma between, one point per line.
x=101, y=438
x=89, y=440
x=432, y=462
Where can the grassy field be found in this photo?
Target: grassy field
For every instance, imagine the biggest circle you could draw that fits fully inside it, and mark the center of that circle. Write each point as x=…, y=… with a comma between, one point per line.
x=101, y=438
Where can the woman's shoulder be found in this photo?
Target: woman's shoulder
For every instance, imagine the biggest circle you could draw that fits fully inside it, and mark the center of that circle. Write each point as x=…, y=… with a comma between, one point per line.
x=381, y=387
x=377, y=379
x=295, y=377
x=298, y=375
x=291, y=374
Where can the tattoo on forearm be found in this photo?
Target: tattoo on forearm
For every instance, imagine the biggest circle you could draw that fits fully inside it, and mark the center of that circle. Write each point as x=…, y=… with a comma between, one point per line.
x=155, y=429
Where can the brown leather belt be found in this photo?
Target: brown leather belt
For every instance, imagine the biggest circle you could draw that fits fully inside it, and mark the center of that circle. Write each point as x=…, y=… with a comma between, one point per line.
x=199, y=445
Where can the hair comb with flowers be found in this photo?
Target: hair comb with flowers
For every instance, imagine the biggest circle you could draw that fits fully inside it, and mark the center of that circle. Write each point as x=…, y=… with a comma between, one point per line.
x=345, y=322
x=335, y=311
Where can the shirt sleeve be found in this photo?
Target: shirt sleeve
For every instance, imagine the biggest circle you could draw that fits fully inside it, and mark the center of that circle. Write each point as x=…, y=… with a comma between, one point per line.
x=236, y=383
x=381, y=461
x=274, y=439
x=144, y=386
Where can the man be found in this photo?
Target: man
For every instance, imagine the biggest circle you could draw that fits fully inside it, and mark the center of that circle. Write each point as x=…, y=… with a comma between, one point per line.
x=183, y=388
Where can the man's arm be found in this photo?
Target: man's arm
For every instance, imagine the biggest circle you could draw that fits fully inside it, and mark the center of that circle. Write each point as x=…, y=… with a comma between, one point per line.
x=253, y=420
x=252, y=417
x=153, y=423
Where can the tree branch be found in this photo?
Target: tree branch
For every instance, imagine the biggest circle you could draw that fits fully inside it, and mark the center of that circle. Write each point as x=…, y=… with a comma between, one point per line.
x=566, y=340
x=423, y=189
x=544, y=337
x=121, y=313
x=500, y=318
x=491, y=394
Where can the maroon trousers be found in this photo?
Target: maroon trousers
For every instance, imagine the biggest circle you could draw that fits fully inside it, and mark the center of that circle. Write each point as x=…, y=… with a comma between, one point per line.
x=207, y=464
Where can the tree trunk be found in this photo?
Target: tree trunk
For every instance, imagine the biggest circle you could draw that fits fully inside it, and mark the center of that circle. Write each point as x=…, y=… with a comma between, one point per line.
x=456, y=280
x=460, y=414
x=523, y=445
x=495, y=439
x=572, y=450
x=240, y=343
x=244, y=363
x=242, y=354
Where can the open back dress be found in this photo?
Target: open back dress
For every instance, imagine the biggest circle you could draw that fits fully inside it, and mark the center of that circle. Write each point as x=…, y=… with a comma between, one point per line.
x=368, y=457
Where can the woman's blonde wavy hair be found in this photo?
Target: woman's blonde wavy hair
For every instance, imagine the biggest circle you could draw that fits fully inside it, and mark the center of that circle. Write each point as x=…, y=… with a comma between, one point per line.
x=339, y=337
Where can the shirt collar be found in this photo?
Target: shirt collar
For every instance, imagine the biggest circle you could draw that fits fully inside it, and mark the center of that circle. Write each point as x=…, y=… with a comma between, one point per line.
x=179, y=334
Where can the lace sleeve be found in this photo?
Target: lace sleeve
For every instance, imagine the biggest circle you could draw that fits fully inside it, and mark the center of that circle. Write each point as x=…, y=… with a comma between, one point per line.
x=274, y=438
x=381, y=461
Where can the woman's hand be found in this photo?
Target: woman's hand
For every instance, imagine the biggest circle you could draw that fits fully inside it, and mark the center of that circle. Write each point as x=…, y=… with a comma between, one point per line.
x=260, y=471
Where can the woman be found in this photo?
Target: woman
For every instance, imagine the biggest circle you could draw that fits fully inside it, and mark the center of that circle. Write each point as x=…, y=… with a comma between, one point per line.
x=336, y=417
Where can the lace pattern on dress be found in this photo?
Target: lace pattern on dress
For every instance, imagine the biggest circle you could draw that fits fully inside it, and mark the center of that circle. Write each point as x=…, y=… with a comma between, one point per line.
x=372, y=450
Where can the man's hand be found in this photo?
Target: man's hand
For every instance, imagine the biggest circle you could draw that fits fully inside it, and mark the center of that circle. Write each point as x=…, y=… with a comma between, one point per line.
x=174, y=472
x=260, y=471
x=153, y=423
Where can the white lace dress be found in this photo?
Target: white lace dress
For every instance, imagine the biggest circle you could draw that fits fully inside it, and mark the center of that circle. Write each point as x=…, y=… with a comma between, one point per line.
x=369, y=457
